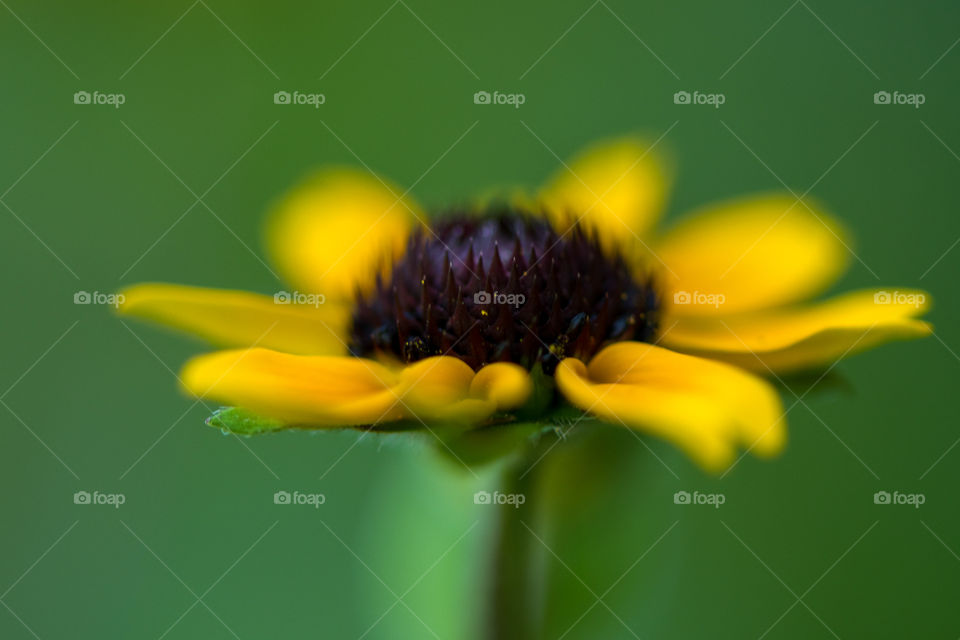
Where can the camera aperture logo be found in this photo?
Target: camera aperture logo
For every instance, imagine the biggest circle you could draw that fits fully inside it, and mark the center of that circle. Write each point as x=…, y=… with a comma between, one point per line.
x=912, y=499
x=515, y=300
x=97, y=97
x=512, y=499
x=296, y=297
x=896, y=97
x=296, y=97
x=712, y=99
x=485, y=97
x=711, y=299
x=299, y=498
x=95, y=297
x=899, y=297
x=712, y=499
x=111, y=499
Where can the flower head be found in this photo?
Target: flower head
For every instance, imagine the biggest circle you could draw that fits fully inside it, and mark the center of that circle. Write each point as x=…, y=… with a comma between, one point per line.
x=501, y=315
x=503, y=286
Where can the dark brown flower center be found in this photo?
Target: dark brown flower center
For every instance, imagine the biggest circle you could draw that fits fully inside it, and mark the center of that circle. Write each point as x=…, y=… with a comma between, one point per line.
x=504, y=287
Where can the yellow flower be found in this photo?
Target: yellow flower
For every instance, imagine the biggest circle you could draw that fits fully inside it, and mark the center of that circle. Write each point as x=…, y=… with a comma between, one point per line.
x=567, y=296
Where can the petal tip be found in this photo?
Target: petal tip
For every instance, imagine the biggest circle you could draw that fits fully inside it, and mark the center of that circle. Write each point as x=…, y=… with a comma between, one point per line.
x=504, y=383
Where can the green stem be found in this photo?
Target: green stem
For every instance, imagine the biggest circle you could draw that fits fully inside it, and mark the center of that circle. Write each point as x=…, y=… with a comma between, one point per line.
x=516, y=587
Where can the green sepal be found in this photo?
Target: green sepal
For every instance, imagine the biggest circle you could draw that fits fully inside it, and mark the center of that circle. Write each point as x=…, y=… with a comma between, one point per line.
x=509, y=436
x=242, y=422
x=485, y=444
x=544, y=392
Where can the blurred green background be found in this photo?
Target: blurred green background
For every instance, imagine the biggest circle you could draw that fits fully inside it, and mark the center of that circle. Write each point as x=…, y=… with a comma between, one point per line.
x=173, y=185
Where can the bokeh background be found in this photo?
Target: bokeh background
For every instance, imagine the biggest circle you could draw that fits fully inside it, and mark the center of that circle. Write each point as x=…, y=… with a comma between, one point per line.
x=173, y=185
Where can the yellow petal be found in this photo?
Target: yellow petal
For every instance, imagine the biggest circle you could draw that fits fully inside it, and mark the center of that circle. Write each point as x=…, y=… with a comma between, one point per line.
x=507, y=384
x=618, y=187
x=340, y=391
x=707, y=408
x=241, y=319
x=785, y=340
x=309, y=390
x=438, y=389
x=337, y=230
x=749, y=254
